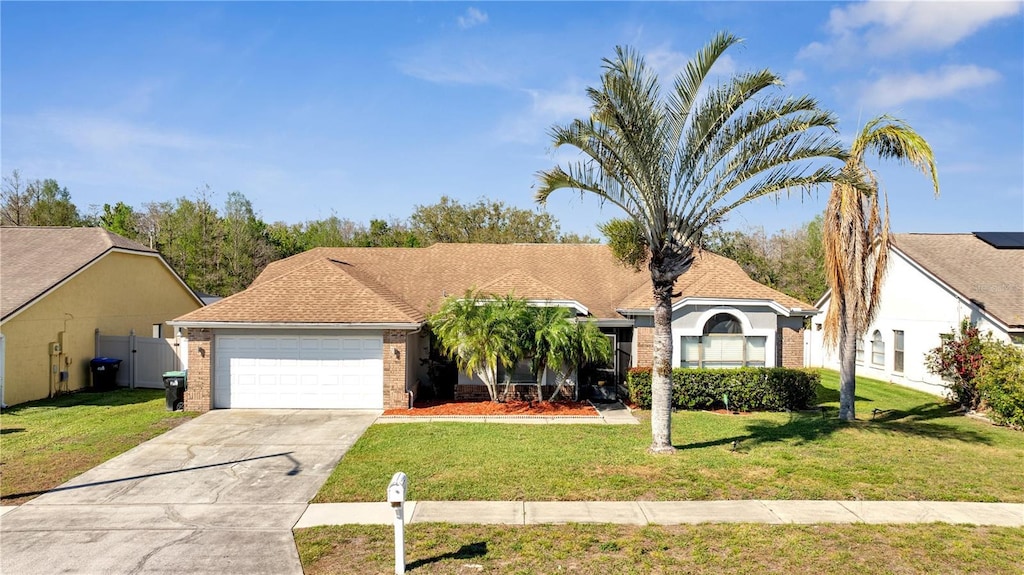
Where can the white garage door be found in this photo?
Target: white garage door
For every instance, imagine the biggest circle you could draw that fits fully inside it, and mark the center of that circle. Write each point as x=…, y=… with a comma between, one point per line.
x=327, y=372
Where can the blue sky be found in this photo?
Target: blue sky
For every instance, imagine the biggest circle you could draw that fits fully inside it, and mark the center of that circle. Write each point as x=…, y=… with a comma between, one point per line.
x=368, y=109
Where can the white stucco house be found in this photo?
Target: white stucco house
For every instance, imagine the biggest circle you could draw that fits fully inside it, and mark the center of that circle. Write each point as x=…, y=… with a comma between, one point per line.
x=933, y=281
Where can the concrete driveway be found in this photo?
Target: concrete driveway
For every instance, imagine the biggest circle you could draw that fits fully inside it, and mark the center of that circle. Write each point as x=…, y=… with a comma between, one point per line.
x=216, y=495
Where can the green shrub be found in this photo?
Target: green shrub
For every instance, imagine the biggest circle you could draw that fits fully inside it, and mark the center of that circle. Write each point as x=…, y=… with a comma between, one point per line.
x=1000, y=382
x=747, y=389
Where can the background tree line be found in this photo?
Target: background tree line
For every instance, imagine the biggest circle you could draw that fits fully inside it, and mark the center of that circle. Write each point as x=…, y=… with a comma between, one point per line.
x=220, y=251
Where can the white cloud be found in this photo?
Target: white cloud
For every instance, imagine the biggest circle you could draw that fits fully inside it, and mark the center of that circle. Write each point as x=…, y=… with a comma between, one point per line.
x=885, y=28
x=895, y=89
x=99, y=133
x=461, y=61
x=667, y=63
x=795, y=77
x=546, y=108
x=471, y=18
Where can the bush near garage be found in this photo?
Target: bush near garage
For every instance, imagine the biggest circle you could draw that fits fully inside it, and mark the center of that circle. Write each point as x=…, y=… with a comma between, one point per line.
x=745, y=389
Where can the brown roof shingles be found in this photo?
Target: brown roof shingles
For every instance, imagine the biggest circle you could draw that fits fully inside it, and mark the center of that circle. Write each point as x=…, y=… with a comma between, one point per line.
x=715, y=276
x=319, y=292
x=35, y=259
x=386, y=285
x=975, y=269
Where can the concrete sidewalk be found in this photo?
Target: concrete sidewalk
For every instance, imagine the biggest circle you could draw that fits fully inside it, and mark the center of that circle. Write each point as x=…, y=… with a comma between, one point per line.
x=668, y=512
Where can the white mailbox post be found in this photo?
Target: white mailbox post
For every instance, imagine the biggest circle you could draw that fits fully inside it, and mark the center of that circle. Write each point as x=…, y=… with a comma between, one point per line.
x=396, y=497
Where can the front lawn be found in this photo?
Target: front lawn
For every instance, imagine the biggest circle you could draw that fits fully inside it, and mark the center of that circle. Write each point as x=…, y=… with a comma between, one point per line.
x=45, y=443
x=915, y=449
x=700, y=549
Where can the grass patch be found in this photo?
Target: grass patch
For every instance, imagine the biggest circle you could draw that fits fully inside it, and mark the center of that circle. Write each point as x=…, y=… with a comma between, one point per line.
x=45, y=443
x=916, y=449
x=711, y=549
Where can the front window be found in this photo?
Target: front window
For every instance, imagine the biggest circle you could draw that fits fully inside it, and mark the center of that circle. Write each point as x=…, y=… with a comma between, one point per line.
x=722, y=345
x=897, y=351
x=860, y=351
x=877, y=349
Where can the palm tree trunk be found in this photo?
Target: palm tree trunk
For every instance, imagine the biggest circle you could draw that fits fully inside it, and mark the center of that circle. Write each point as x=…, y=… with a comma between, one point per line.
x=847, y=365
x=661, y=376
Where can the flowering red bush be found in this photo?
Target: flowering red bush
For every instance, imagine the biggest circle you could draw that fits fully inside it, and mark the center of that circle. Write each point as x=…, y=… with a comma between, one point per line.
x=958, y=360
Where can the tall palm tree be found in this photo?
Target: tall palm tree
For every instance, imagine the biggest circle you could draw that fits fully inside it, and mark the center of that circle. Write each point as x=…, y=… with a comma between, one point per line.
x=479, y=333
x=678, y=164
x=856, y=240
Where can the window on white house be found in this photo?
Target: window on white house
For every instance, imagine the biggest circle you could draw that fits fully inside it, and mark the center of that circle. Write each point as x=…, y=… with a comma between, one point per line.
x=722, y=345
x=1017, y=338
x=877, y=349
x=897, y=351
x=860, y=350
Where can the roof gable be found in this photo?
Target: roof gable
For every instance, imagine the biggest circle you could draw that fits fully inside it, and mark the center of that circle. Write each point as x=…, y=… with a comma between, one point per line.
x=37, y=259
x=322, y=291
x=713, y=276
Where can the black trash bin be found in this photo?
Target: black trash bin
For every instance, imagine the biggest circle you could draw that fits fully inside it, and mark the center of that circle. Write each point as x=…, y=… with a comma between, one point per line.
x=104, y=372
x=175, y=383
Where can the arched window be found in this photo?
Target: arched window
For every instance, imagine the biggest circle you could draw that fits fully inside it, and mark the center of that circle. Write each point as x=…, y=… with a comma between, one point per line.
x=723, y=323
x=877, y=349
x=722, y=345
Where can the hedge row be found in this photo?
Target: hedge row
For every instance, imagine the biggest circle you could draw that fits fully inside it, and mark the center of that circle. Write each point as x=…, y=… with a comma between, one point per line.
x=747, y=389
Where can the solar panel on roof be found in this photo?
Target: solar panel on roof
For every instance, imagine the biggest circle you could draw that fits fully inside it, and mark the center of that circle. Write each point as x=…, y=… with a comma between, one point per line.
x=1002, y=240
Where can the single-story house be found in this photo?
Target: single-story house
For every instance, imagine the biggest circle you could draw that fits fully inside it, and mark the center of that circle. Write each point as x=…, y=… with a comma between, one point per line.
x=933, y=281
x=58, y=286
x=346, y=327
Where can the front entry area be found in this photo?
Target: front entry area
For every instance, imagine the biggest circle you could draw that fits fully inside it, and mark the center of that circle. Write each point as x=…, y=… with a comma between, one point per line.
x=298, y=372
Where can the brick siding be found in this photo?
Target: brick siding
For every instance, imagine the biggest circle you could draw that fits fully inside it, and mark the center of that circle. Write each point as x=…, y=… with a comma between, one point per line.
x=792, y=347
x=519, y=392
x=395, y=396
x=197, y=394
x=644, y=346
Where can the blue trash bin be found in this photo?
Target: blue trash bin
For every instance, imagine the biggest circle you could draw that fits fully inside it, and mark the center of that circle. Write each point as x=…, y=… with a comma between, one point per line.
x=104, y=372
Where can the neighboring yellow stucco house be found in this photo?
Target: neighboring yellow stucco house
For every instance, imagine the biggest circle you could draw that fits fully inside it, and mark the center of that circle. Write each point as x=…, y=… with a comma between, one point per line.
x=58, y=286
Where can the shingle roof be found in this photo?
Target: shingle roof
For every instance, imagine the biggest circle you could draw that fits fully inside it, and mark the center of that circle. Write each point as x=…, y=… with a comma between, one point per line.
x=386, y=285
x=35, y=259
x=715, y=276
x=321, y=291
x=974, y=268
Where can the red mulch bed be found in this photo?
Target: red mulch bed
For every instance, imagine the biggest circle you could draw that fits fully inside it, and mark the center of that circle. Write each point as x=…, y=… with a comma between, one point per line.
x=542, y=408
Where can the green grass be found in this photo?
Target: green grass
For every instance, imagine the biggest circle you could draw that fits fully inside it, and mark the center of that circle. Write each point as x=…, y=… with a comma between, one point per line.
x=45, y=443
x=701, y=549
x=917, y=449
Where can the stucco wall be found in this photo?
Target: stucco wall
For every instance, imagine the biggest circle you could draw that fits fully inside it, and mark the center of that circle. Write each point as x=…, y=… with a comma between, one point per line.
x=116, y=294
x=921, y=308
x=756, y=320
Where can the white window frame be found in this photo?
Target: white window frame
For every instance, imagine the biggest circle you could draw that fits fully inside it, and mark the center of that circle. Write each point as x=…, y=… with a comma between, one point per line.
x=877, y=349
x=898, y=350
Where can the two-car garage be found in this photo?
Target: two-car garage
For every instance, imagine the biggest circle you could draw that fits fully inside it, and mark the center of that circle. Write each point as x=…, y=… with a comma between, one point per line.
x=298, y=371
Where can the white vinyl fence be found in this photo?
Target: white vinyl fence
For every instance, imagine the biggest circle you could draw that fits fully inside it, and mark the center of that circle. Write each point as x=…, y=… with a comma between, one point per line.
x=143, y=359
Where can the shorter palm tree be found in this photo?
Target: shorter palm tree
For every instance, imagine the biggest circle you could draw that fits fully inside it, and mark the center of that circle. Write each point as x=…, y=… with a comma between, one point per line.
x=479, y=333
x=587, y=345
x=565, y=344
x=552, y=332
